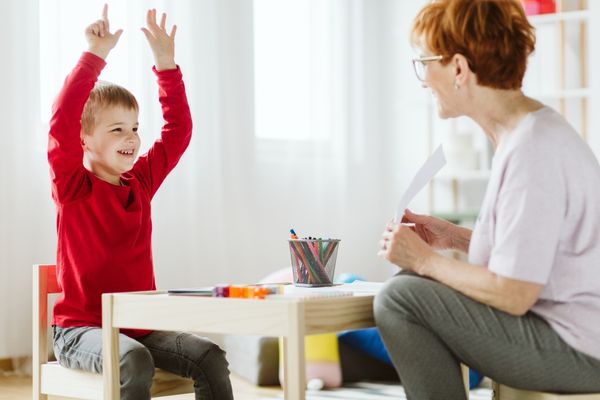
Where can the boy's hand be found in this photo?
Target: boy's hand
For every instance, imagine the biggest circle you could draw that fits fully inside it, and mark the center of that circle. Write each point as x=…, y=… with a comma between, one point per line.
x=99, y=38
x=161, y=43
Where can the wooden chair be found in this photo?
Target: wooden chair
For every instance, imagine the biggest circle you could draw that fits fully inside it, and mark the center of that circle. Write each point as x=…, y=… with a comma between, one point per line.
x=503, y=392
x=49, y=378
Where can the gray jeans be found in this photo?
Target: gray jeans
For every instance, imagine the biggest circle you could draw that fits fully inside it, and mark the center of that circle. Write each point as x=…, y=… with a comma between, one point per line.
x=429, y=328
x=181, y=353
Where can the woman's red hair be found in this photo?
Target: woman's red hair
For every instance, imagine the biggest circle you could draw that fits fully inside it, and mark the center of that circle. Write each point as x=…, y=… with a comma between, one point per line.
x=494, y=36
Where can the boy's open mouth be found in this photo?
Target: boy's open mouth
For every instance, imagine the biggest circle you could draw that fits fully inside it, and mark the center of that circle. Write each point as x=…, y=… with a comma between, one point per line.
x=128, y=152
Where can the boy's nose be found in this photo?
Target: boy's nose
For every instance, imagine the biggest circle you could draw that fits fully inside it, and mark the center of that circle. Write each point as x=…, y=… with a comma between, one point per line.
x=131, y=136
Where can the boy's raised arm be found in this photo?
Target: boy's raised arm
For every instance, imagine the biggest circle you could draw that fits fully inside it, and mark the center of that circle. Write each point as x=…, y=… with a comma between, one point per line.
x=99, y=38
x=161, y=43
x=64, y=143
x=153, y=167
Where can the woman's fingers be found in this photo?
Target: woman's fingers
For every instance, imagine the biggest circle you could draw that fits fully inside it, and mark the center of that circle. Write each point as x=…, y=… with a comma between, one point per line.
x=409, y=216
x=387, y=235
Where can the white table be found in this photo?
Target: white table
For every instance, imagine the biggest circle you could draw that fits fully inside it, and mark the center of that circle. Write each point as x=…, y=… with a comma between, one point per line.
x=289, y=317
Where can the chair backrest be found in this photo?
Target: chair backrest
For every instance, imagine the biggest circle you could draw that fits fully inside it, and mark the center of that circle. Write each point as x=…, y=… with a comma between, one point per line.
x=44, y=283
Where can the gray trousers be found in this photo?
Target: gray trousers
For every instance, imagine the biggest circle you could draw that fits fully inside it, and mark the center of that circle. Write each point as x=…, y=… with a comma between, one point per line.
x=429, y=328
x=181, y=353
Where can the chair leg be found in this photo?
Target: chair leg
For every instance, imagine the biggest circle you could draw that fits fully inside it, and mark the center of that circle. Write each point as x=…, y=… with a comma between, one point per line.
x=465, y=375
x=495, y=391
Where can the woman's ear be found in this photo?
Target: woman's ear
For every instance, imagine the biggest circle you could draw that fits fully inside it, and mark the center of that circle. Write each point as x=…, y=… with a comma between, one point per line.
x=461, y=70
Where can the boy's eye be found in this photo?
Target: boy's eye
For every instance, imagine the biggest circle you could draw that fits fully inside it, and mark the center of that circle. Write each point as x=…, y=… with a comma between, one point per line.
x=135, y=129
x=117, y=130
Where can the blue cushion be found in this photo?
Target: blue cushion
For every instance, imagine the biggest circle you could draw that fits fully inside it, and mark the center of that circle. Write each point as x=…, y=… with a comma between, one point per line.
x=369, y=341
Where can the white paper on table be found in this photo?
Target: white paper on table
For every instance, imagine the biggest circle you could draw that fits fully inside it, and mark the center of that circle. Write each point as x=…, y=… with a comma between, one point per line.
x=434, y=163
x=354, y=288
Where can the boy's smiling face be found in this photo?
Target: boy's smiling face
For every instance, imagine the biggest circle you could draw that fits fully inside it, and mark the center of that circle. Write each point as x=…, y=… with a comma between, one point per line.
x=111, y=148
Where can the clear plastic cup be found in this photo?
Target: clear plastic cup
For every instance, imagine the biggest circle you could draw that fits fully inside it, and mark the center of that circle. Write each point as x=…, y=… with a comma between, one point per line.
x=313, y=261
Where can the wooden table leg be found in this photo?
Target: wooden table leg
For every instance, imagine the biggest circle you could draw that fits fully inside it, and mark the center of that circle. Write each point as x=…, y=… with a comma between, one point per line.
x=293, y=354
x=110, y=351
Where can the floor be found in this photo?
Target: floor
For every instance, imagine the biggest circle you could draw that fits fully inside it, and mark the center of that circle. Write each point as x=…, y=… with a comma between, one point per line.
x=17, y=388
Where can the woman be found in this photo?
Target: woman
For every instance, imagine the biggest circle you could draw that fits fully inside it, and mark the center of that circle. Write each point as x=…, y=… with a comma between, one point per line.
x=525, y=308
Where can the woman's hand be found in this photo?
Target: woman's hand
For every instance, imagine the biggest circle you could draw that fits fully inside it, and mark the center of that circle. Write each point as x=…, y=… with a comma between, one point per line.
x=99, y=38
x=436, y=232
x=402, y=246
x=161, y=42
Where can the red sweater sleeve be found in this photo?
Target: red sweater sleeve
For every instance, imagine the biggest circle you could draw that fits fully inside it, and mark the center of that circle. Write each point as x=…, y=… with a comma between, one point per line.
x=65, y=154
x=152, y=168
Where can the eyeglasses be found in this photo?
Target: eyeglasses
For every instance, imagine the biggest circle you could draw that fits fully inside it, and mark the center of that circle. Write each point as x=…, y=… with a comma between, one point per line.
x=420, y=65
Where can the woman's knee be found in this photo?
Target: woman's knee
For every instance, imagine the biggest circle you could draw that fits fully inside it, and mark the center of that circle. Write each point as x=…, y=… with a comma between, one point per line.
x=399, y=296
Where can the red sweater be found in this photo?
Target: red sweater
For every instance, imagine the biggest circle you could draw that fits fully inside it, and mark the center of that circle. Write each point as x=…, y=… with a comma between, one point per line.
x=104, y=230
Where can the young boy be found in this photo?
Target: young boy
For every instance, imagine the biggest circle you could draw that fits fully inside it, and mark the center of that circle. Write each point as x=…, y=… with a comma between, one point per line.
x=103, y=222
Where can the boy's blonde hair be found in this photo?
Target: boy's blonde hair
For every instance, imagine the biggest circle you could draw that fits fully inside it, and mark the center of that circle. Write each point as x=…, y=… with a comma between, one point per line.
x=105, y=94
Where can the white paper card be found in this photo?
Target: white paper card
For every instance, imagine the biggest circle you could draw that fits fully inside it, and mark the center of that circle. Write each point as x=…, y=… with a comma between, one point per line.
x=431, y=167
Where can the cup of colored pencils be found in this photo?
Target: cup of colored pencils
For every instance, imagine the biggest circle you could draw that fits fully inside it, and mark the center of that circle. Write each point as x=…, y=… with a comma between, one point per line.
x=313, y=261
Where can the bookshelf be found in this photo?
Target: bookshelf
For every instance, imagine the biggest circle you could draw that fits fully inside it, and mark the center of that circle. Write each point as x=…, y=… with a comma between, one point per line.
x=557, y=75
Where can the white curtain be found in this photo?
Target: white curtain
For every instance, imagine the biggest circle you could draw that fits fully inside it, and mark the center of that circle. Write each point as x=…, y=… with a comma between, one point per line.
x=26, y=216
x=225, y=212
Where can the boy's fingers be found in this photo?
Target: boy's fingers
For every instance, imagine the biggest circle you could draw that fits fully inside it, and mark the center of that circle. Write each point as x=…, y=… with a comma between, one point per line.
x=151, y=22
x=105, y=12
x=163, y=20
x=149, y=18
x=173, y=31
x=96, y=29
x=118, y=33
x=147, y=34
x=153, y=19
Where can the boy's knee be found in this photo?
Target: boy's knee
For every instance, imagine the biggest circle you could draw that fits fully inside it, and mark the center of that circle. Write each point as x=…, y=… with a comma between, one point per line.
x=207, y=357
x=137, y=369
x=214, y=358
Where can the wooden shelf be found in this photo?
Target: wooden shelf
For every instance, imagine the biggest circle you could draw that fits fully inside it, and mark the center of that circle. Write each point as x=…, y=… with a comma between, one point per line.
x=474, y=175
x=578, y=15
x=579, y=93
x=457, y=217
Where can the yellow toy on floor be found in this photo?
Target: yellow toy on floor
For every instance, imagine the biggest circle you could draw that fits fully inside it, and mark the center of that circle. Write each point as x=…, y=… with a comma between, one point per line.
x=322, y=361
x=321, y=352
